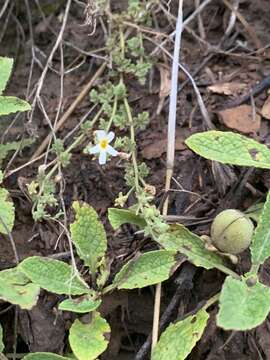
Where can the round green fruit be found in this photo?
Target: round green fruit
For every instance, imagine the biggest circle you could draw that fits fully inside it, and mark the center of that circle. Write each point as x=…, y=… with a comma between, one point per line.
x=231, y=231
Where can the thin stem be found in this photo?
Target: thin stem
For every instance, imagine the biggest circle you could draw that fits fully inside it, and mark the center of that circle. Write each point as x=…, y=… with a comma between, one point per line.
x=130, y=118
x=133, y=153
x=12, y=242
x=255, y=268
x=228, y=271
x=122, y=42
x=113, y=113
x=211, y=301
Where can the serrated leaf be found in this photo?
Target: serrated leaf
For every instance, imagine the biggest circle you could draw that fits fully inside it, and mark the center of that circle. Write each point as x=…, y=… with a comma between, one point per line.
x=83, y=304
x=6, y=65
x=2, y=346
x=53, y=275
x=230, y=148
x=88, y=341
x=88, y=236
x=179, y=238
x=242, y=307
x=150, y=268
x=118, y=217
x=7, y=213
x=177, y=341
x=12, y=104
x=16, y=289
x=260, y=245
x=13, y=146
x=43, y=356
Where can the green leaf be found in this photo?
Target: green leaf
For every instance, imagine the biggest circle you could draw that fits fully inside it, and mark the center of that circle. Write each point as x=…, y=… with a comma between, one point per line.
x=7, y=213
x=177, y=341
x=16, y=289
x=260, y=246
x=2, y=346
x=13, y=146
x=43, y=356
x=88, y=341
x=83, y=304
x=118, y=217
x=53, y=275
x=88, y=235
x=230, y=148
x=12, y=104
x=6, y=65
x=150, y=268
x=242, y=307
x=179, y=238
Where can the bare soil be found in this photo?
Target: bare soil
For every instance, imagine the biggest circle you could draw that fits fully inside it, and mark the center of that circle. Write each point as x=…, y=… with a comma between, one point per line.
x=243, y=58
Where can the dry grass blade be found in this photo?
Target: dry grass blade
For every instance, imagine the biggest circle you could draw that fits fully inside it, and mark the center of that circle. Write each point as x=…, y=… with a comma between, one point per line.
x=170, y=148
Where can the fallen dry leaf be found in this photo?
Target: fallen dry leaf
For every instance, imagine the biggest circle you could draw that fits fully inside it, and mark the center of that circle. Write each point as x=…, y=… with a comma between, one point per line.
x=158, y=146
x=165, y=80
x=240, y=118
x=228, y=88
x=266, y=109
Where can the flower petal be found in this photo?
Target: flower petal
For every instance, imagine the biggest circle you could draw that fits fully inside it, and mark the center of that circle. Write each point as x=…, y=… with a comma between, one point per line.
x=110, y=150
x=100, y=134
x=102, y=158
x=94, y=149
x=110, y=136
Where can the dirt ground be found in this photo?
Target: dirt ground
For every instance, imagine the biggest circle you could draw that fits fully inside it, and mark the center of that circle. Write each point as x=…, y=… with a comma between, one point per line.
x=200, y=190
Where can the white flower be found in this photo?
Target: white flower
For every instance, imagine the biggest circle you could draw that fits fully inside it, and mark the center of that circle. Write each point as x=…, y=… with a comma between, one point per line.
x=103, y=146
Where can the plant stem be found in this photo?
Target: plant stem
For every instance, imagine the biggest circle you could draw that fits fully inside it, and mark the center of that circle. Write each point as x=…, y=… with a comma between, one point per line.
x=112, y=114
x=228, y=271
x=255, y=268
x=132, y=137
x=211, y=301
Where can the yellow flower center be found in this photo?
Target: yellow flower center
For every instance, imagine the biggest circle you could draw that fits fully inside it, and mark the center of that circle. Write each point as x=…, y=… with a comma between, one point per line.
x=103, y=144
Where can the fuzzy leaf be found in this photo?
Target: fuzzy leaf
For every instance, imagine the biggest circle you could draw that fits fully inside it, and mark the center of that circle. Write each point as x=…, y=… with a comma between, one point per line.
x=177, y=341
x=16, y=289
x=6, y=65
x=260, y=246
x=179, y=238
x=242, y=307
x=230, y=148
x=12, y=104
x=53, y=275
x=118, y=217
x=150, y=268
x=7, y=213
x=83, y=304
x=88, y=341
x=44, y=356
x=88, y=235
x=2, y=346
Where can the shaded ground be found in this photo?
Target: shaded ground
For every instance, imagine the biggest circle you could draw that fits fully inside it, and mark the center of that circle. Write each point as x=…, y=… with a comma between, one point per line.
x=241, y=59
